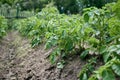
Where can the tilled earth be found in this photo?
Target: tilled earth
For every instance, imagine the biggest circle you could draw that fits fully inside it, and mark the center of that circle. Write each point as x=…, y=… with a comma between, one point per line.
x=18, y=61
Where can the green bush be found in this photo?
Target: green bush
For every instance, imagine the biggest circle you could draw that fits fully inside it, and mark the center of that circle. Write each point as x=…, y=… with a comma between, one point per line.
x=3, y=26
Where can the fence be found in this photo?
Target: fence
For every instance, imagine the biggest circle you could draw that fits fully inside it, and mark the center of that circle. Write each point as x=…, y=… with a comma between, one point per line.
x=13, y=13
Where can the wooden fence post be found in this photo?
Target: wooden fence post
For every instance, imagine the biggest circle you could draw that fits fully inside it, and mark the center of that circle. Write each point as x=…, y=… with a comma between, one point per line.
x=18, y=10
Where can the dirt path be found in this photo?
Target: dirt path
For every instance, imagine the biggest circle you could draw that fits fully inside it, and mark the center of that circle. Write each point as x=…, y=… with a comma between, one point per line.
x=11, y=52
x=7, y=57
x=18, y=61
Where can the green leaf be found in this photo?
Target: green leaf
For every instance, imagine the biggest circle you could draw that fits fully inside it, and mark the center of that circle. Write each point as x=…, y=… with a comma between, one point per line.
x=93, y=41
x=108, y=75
x=52, y=58
x=116, y=68
x=86, y=17
x=36, y=41
x=106, y=56
x=60, y=65
x=97, y=12
x=47, y=45
x=93, y=77
x=118, y=51
x=69, y=45
x=112, y=48
x=83, y=76
x=84, y=54
x=103, y=49
x=52, y=41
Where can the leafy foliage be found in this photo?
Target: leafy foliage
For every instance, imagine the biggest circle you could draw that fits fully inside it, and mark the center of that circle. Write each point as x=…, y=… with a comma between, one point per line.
x=105, y=72
x=87, y=69
x=96, y=31
x=3, y=26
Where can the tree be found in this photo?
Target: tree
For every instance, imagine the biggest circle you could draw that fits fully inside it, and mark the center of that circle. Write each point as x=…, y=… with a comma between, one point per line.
x=74, y=6
x=10, y=2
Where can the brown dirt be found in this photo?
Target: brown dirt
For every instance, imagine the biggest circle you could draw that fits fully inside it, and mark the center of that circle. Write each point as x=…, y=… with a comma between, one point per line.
x=18, y=61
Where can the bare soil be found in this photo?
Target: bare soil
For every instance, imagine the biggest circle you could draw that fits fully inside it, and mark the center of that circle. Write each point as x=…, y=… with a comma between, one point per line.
x=18, y=61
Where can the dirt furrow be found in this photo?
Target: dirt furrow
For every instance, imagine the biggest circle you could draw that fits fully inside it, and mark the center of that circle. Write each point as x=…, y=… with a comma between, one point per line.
x=18, y=61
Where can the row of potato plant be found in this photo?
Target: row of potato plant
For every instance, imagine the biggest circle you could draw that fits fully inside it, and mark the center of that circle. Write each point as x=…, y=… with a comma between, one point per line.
x=3, y=26
x=96, y=32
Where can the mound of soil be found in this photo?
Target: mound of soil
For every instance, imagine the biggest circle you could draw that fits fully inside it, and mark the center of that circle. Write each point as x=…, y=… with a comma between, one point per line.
x=18, y=61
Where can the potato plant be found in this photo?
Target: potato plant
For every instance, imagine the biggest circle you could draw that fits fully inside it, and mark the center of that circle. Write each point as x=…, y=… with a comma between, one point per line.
x=3, y=26
x=97, y=30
